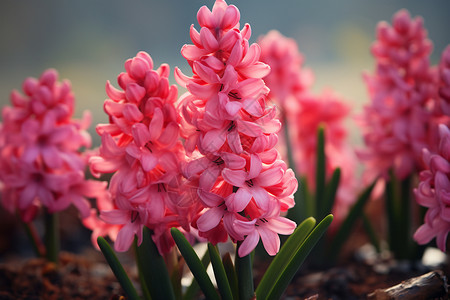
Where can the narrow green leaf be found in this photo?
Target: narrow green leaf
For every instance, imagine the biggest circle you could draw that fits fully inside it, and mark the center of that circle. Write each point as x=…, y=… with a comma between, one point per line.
x=390, y=194
x=231, y=274
x=320, y=173
x=368, y=227
x=330, y=192
x=195, y=265
x=220, y=274
x=283, y=257
x=282, y=282
x=244, y=270
x=303, y=203
x=194, y=288
x=152, y=266
x=117, y=268
x=144, y=288
x=51, y=237
x=347, y=225
x=175, y=278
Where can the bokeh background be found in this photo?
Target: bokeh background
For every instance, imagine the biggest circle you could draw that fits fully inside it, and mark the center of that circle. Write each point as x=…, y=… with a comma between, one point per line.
x=88, y=41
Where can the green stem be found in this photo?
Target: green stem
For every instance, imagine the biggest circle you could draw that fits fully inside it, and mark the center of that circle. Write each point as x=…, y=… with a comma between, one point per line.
x=36, y=242
x=51, y=237
x=231, y=274
x=320, y=174
x=245, y=275
x=368, y=227
x=152, y=266
x=299, y=212
x=398, y=206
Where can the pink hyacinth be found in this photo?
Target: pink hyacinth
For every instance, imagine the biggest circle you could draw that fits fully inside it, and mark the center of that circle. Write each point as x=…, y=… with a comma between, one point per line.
x=444, y=88
x=41, y=164
x=396, y=124
x=230, y=133
x=304, y=111
x=288, y=78
x=141, y=146
x=433, y=192
x=329, y=111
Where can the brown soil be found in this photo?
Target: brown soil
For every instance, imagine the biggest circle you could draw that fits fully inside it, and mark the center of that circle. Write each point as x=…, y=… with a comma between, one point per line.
x=75, y=277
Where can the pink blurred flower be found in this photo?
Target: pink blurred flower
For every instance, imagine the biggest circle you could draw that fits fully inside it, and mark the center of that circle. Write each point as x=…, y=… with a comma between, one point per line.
x=40, y=159
x=330, y=111
x=395, y=124
x=288, y=78
x=304, y=112
x=229, y=130
x=433, y=192
x=141, y=146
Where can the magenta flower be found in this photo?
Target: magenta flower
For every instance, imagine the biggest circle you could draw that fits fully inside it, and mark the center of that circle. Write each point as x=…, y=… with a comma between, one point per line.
x=141, y=146
x=403, y=88
x=41, y=164
x=230, y=131
x=433, y=192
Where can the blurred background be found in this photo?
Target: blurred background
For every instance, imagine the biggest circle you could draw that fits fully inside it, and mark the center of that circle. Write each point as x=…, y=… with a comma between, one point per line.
x=88, y=41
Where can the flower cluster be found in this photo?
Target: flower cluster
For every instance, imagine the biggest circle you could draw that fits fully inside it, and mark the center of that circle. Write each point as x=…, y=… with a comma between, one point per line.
x=305, y=112
x=41, y=164
x=288, y=78
x=230, y=134
x=141, y=146
x=433, y=192
x=399, y=123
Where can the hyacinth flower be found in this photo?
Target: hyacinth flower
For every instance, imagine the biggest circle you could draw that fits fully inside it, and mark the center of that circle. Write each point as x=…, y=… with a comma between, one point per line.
x=433, y=192
x=41, y=163
x=401, y=119
x=226, y=104
x=230, y=130
x=141, y=146
x=433, y=189
x=227, y=182
x=315, y=136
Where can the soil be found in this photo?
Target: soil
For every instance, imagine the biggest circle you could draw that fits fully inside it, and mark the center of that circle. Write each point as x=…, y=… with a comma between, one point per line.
x=85, y=275
x=76, y=277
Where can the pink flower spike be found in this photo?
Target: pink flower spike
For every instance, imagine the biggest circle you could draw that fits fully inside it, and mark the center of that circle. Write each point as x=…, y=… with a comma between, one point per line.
x=433, y=192
x=41, y=164
x=226, y=125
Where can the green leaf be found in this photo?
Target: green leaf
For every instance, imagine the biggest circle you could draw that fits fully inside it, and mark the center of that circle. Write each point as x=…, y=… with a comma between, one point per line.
x=231, y=274
x=51, y=237
x=244, y=270
x=330, y=192
x=153, y=268
x=195, y=265
x=320, y=172
x=368, y=227
x=194, y=288
x=219, y=272
x=286, y=253
x=117, y=269
x=347, y=225
x=297, y=260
